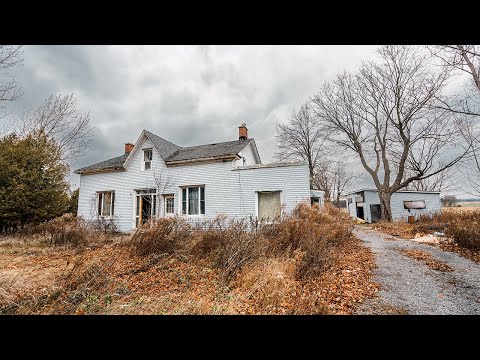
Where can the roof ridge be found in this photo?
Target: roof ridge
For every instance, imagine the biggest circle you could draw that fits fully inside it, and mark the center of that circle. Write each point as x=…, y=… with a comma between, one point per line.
x=216, y=143
x=149, y=132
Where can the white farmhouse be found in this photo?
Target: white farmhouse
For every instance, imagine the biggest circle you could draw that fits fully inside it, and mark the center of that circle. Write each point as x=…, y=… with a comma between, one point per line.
x=156, y=178
x=365, y=204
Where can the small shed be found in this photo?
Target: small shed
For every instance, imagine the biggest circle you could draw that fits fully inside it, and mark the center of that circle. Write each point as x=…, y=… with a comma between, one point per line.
x=365, y=204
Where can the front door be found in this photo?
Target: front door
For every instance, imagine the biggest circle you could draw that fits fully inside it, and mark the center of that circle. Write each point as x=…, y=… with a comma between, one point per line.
x=375, y=212
x=145, y=206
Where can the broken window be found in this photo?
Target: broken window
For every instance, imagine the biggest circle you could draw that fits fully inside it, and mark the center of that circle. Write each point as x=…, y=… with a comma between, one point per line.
x=417, y=204
x=193, y=200
x=147, y=159
x=269, y=205
x=106, y=202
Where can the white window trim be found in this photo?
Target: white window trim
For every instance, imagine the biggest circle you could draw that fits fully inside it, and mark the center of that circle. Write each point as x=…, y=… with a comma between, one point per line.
x=144, y=161
x=112, y=200
x=199, y=202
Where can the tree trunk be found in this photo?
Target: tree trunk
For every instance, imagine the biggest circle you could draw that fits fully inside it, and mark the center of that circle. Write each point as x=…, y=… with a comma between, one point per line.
x=385, y=205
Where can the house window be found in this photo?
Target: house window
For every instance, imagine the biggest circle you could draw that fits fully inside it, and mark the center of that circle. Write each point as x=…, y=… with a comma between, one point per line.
x=106, y=203
x=269, y=205
x=147, y=159
x=418, y=204
x=193, y=200
x=169, y=204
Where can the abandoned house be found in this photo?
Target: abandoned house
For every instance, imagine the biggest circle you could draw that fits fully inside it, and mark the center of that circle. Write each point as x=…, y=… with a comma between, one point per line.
x=156, y=178
x=365, y=204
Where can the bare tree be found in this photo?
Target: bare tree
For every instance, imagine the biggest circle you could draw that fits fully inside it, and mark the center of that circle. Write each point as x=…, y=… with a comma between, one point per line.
x=59, y=118
x=323, y=180
x=301, y=139
x=163, y=183
x=443, y=181
x=465, y=59
x=10, y=57
x=387, y=114
x=333, y=178
x=343, y=178
x=449, y=200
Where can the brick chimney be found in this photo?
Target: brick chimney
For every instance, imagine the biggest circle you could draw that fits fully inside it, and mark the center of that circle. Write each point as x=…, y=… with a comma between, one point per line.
x=128, y=148
x=242, y=132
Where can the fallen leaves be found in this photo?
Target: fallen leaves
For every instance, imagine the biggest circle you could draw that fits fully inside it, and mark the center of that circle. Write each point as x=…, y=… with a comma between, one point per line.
x=426, y=258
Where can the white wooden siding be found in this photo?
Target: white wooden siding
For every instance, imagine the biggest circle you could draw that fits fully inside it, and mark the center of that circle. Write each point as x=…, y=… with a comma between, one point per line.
x=249, y=154
x=227, y=190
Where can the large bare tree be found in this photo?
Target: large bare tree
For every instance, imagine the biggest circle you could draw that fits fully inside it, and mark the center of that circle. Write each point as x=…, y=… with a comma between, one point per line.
x=387, y=114
x=58, y=117
x=333, y=178
x=10, y=57
x=465, y=59
x=301, y=139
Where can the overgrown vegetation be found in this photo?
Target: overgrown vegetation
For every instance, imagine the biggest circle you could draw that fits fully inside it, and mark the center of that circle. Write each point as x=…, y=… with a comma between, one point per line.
x=224, y=266
x=462, y=227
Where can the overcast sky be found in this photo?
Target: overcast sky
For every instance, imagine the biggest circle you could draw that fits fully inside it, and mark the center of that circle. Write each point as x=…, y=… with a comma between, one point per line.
x=188, y=95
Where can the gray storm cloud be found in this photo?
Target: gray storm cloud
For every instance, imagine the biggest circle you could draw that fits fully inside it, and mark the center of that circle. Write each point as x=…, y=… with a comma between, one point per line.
x=187, y=94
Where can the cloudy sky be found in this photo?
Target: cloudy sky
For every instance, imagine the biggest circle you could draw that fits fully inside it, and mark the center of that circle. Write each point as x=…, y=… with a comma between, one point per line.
x=188, y=95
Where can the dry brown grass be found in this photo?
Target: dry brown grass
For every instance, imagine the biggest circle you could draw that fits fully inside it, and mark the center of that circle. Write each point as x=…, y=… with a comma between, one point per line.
x=426, y=258
x=308, y=263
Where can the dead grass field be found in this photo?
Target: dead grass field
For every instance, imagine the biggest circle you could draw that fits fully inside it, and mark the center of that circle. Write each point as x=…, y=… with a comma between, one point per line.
x=107, y=277
x=461, y=228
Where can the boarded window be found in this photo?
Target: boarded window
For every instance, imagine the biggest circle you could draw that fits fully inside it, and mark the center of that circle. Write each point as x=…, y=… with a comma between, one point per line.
x=269, y=205
x=417, y=204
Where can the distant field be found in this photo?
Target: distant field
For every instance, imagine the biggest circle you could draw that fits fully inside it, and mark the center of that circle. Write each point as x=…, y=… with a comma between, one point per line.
x=464, y=206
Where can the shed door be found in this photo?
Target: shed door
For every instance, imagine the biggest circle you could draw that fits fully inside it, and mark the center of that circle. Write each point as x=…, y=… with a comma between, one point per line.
x=375, y=212
x=269, y=205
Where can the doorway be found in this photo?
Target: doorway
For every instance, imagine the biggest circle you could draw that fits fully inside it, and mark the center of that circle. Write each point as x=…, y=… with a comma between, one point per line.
x=145, y=206
x=360, y=213
x=375, y=212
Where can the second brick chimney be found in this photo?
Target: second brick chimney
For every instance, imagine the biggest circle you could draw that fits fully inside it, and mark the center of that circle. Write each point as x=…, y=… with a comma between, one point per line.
x=242, y=132
x=128, y=148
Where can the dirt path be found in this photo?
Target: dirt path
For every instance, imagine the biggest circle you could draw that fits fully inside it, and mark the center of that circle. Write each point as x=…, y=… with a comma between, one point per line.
x=409, y=286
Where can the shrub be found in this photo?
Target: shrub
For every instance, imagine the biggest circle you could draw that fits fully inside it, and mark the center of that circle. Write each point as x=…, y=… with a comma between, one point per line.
x=228, y=247
x=161, y=236
x=66, y=230
x=314, y=232
x=465, y=230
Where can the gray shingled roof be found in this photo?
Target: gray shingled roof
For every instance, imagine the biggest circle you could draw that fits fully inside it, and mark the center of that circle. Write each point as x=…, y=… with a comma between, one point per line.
x=164, y=147
x=229, y=148
x=110, y=164
x=171, y=152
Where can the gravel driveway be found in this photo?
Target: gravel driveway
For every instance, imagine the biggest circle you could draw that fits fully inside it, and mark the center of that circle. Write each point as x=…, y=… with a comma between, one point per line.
x=408, y=286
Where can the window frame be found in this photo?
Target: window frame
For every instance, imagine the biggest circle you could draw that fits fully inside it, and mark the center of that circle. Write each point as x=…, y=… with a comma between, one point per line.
x=145, y=161
x=100, y=203
x=167, y=197
x=184, y=200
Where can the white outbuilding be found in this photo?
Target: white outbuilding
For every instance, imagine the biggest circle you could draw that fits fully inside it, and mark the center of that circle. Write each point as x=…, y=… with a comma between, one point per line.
x=365, y=204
